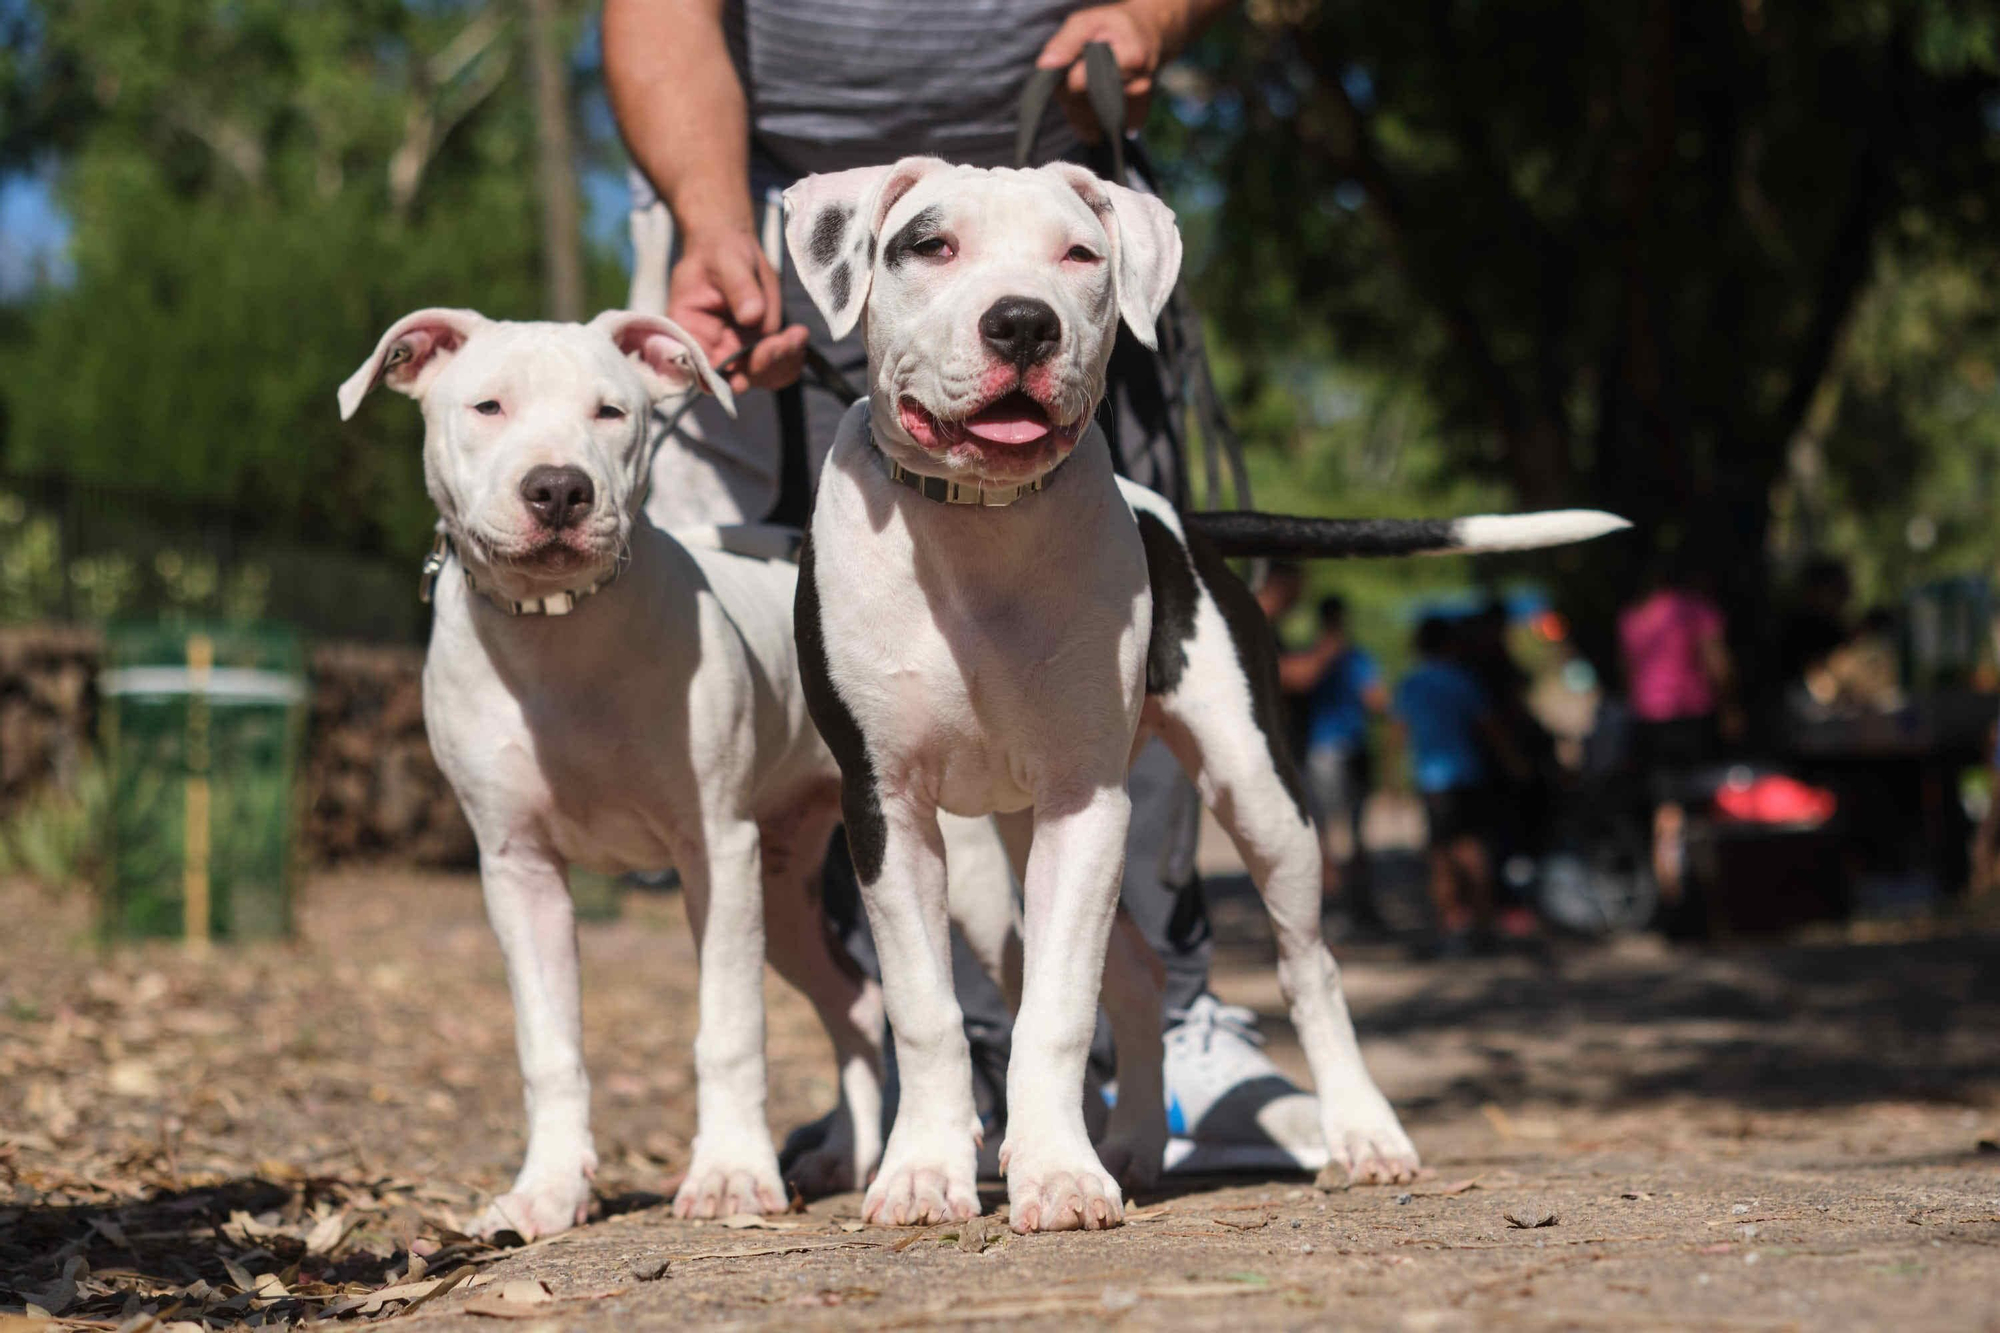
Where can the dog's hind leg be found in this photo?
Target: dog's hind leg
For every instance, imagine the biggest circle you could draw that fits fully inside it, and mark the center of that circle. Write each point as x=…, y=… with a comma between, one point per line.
x=734, y=1168
x=849, y=1004
x=981, y=871
x=1221, y=719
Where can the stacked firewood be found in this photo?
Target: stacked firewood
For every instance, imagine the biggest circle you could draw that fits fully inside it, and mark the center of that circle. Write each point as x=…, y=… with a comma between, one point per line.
x=48, y=707
x=369, y=785
x=372, y=788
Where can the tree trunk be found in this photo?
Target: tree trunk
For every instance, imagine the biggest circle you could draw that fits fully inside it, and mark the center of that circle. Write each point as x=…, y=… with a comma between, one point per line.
x=562, y=247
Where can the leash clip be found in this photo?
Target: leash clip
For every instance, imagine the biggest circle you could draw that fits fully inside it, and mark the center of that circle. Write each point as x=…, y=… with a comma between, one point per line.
x=433, y=566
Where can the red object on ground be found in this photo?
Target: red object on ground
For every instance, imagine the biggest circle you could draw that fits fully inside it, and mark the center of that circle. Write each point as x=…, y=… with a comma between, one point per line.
x=1776, y=799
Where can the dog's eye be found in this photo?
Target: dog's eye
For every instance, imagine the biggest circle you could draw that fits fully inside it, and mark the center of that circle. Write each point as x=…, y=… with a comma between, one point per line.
x=933, y=247
x=1081, y=254
x=608, y=412
x=489, y=408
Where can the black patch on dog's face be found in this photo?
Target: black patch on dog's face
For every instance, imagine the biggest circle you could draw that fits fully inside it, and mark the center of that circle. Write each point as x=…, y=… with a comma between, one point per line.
x=860, y=799
x=916, y=230
x=1174, y=600
x=828, y=228
x=840, y=284
x=1175, y=603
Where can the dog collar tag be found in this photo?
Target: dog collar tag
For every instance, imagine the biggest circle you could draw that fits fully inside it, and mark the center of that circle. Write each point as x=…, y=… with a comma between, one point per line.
x=427, y=581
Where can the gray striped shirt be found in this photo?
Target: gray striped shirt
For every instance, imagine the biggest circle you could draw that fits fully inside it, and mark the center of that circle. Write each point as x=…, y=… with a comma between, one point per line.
x=853, y=83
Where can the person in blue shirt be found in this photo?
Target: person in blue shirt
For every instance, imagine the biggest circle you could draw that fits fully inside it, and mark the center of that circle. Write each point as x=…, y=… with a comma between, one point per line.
x=1451, y=728
x=1340, y=687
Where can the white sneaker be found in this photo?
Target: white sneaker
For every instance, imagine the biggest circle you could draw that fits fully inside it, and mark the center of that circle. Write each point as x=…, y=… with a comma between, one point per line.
x=1228, y=1107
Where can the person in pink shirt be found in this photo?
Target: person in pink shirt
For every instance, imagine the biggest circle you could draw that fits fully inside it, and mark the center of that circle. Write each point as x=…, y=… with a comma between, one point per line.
x=1677, y=675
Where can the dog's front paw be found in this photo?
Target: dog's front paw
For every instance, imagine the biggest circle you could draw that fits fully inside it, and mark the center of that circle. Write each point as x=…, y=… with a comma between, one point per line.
x=1060, y=1189
x=724, y=1181
x=538, y=1207
x=925, y=1179
x=1365, y=1142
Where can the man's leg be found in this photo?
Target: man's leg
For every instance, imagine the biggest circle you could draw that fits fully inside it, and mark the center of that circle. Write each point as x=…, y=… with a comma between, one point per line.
x=1228, y=1106
x=1161, y=891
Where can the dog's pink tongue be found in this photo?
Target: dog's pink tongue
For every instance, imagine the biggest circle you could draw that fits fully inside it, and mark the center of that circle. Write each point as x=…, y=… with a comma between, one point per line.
x=1015, y=419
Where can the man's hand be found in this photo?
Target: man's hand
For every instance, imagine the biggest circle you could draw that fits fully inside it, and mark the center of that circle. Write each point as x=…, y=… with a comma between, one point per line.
x=725, y=293
x=1142, y=34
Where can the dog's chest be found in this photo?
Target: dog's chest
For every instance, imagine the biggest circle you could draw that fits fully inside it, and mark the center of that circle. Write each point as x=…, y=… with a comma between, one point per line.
x=980, y=662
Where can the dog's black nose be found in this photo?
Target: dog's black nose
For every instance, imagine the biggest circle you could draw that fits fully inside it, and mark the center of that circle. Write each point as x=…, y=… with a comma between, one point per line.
x=1021, y=329
x=558, y=495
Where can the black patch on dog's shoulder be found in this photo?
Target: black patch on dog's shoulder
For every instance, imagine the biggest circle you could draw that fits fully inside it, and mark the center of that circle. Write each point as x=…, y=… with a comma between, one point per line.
x=1174, y=600
x=917, y=229
x=860, y=801
x=828, y=228
x=841, y=284
x=1256, y=653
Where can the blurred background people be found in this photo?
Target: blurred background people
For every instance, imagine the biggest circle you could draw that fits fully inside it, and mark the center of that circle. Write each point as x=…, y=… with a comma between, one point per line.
x=1451, y=729
x=1525, y=787
x=1339, y=688
x=1677, y=675
x=1816, y=623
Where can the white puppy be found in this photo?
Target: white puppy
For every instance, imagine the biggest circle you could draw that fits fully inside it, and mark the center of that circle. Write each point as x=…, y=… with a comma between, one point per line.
x=600, y=694
x=990, y=620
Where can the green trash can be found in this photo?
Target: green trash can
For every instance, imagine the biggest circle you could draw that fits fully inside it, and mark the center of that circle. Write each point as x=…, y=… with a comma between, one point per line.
x=202, y=728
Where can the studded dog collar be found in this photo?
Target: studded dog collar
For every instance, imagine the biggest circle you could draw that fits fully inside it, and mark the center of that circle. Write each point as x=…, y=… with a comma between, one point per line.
x=947, y=492
x=555, y=604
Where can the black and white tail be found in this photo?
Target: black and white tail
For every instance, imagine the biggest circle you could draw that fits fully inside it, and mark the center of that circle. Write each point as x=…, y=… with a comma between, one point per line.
x=1283, y=536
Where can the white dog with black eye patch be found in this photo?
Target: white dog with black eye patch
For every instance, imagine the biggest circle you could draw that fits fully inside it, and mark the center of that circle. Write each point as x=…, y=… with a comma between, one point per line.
x=603, y=694
x=989, y=620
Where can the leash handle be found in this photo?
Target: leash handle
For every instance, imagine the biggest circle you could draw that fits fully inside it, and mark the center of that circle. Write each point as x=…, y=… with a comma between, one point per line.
x=1104, y=88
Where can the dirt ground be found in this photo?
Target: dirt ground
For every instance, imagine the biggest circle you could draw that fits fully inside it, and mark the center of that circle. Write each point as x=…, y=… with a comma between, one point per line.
x=1636, y=1136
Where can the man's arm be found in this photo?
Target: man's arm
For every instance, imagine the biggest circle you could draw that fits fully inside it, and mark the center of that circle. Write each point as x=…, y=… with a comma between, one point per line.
x=1142, y=34
x=686, y=121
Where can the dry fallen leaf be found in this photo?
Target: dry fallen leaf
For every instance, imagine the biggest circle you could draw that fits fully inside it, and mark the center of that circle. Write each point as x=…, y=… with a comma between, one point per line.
x=753, y=1222
x=1234, y=1225
x=519, y=1299
x=1530, y=1222
x=327, y=1233
x=443, y=1285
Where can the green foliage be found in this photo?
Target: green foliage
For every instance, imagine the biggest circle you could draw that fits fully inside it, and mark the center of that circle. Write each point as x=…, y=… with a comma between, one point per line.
x=39, y=582
x=257, y=189
x=56, y=834
x=1616, y=251
x=1912, y=454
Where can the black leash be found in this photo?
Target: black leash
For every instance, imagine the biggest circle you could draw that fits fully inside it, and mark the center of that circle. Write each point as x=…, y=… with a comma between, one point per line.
x=1190, y=381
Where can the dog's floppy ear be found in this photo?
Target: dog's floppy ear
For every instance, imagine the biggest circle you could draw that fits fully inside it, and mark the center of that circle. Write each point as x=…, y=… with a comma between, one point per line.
x=833, y=222
x=669, y=359
x=410, y=354
x=1145, y=246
